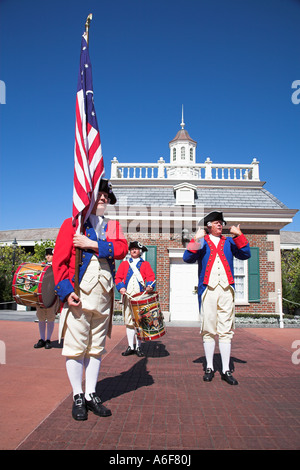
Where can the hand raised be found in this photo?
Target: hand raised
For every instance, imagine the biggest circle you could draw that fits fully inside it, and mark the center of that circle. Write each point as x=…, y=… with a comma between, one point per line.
x=235, y=230
x=200, y=234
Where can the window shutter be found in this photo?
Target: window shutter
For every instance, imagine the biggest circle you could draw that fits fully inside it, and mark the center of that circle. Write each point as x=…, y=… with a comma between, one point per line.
x=150, y=256
x=253, y=275
x=117, y=293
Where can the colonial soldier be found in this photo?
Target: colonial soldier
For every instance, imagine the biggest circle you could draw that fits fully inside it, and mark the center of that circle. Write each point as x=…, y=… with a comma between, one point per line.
x=133, y=276
x=86, y=319
x=214, y=254
x=46, y=316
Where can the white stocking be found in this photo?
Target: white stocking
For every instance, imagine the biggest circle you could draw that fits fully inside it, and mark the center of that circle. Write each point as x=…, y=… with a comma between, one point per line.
x=42, y=328
x=225, y=349
x=75, y=372
x=209, y=349
x=137, y=341
x=50, y=328
x=92, y=368
x=130, y=336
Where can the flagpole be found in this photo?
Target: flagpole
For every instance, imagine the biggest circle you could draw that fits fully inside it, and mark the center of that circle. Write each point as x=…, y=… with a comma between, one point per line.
x=78, y=254
x=87, y=26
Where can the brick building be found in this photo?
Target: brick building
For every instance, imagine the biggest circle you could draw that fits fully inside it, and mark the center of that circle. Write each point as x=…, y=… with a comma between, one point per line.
x=160, y=204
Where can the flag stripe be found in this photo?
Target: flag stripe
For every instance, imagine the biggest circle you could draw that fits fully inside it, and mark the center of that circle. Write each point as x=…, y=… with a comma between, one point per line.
x=88, y=158
x=81, y=152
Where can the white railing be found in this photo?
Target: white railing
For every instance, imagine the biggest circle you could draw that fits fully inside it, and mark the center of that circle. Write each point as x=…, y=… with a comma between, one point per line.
x=201, y=171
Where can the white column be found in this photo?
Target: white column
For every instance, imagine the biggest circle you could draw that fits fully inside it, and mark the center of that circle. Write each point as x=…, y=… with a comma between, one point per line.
x=208, y=174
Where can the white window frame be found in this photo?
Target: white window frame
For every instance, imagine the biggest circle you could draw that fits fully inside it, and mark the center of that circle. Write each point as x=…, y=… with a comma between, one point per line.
x=244, y=300
x=185, y=194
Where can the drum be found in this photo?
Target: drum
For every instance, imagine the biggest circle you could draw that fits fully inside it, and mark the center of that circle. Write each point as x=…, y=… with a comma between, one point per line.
x=33, y=285
x=147, y=316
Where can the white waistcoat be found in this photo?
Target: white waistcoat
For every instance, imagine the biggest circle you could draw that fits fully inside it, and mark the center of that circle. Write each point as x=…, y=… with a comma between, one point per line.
x=218, y=274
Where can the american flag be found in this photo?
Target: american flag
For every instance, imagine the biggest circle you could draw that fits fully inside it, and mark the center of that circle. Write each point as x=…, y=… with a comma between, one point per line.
x=88, y=158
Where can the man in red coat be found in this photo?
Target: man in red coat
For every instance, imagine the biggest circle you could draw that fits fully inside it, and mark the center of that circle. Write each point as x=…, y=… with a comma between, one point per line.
x=86, y=319
x=133, y=276
x=214, y=254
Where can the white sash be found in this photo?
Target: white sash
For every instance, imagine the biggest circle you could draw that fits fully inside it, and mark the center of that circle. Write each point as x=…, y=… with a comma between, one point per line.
x=137, y=273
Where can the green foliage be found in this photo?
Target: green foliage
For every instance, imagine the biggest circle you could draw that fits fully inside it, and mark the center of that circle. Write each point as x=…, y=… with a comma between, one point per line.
x=39, y=251
x=10, y=259
x=290, y=268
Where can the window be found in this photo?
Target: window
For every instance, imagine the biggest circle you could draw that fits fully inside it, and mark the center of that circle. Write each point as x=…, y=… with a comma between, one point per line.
x=240, y=280
x=182, y=153
x=185, y=194
x=191, y=154
x=174, y=155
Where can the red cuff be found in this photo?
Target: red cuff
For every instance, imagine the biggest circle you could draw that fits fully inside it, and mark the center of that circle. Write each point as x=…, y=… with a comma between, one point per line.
x=240, y=241
x=193, y=246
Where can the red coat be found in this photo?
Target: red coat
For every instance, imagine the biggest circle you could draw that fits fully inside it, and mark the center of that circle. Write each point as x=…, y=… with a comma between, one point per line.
x=125, y=272
x=112, y=245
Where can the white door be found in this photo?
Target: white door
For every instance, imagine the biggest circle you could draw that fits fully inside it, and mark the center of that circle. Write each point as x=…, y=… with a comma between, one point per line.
x=183, y=291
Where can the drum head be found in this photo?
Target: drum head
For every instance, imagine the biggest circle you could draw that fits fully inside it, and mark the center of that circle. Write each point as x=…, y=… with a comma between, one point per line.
x=48, y=285
x=143, y=298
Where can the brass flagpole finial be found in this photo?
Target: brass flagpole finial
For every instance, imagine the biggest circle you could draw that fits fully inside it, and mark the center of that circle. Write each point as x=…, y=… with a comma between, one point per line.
x=87, y=25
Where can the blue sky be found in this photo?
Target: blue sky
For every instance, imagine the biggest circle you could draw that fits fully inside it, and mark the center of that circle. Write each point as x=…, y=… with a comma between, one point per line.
x=230, y=63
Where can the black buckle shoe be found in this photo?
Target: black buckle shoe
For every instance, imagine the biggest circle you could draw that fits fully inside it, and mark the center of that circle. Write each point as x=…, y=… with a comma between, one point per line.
x=40, y=344
x=139, y=352
x=209, y=375
x=79, y=411
x=48, y=344
x=229, y=378
x=95, y=405
x=128, y=352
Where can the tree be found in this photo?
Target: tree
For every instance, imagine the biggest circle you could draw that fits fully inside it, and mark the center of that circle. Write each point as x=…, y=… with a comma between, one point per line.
x=39, y=251
x=290, y=268
x=10, y=259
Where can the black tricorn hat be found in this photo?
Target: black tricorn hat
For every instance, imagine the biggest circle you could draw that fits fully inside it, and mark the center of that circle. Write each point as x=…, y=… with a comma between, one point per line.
x=48, y=251
x=106, y=187
x=212, y=217
x=137, y=244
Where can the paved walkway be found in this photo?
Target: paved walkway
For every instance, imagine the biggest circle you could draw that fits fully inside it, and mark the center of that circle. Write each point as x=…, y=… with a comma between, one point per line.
x=158, y=402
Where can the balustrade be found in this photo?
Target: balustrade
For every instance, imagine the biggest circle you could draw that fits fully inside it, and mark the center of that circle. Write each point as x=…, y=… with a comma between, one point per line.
x=198, y=171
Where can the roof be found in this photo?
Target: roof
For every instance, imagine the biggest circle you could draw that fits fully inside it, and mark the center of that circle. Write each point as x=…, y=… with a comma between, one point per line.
x=158, y=195
x=182, y=134
x=290, y=237
x=254, y=201
x=36, y=234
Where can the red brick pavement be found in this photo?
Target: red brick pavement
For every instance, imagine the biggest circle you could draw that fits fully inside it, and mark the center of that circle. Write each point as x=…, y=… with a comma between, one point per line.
x=158, y=402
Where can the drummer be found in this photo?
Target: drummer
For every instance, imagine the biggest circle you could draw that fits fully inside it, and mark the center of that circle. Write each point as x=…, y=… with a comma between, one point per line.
x=46, y=316
x=133, y=276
